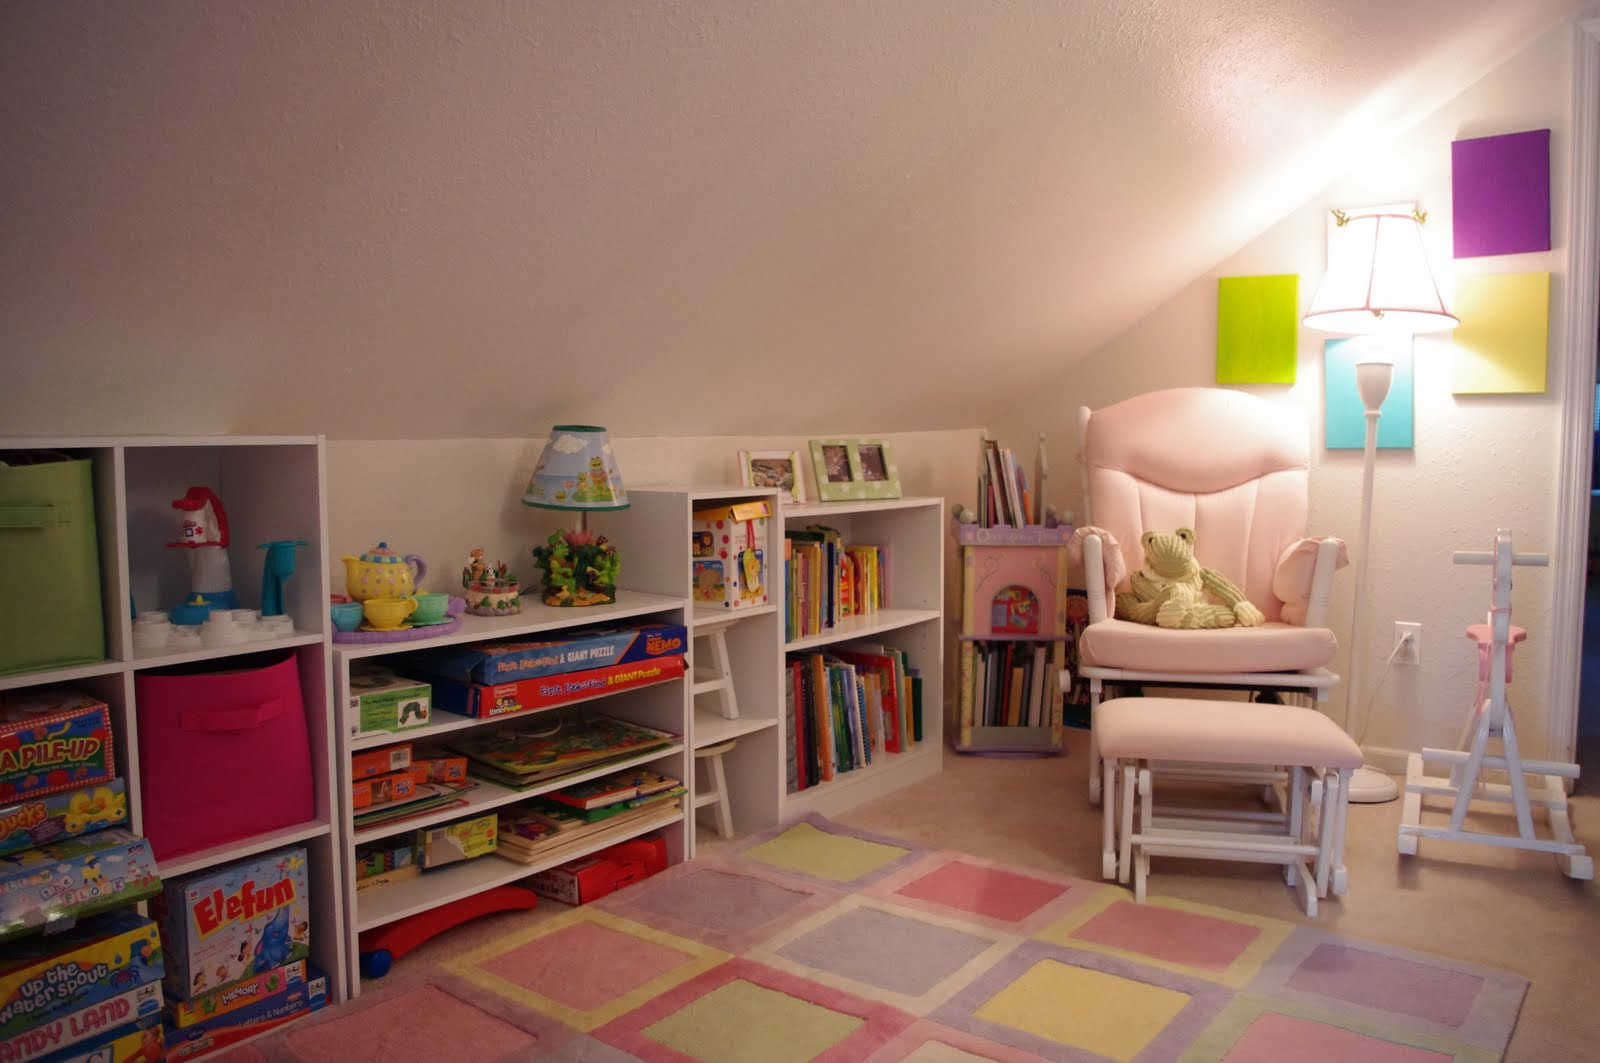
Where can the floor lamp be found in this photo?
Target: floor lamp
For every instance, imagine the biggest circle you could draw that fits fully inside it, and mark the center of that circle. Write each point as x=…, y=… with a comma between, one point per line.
x=1378, y=286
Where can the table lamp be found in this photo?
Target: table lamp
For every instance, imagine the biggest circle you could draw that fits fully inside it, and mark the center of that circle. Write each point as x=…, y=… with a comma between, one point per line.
x=577, y=471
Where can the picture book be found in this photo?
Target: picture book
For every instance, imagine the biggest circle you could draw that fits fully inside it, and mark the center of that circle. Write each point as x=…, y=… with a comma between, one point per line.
x=524, y=836
x=612, y=788
x=518, y=758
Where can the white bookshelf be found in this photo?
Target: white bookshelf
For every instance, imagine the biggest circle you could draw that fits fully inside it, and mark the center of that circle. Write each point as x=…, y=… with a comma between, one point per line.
x=272, y=488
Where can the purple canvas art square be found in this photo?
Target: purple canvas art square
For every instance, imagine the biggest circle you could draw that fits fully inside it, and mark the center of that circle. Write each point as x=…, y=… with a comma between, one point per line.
x=1388, y=983
x=1500, y=191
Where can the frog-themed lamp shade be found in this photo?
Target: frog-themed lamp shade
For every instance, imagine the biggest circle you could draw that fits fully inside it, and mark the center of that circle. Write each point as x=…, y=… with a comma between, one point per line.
x=577, y=472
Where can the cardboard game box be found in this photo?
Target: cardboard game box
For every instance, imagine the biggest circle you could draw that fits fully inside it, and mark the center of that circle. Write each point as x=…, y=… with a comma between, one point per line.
x=74, y=878
x=488, y=663
x=219, y=1031
x=44, y=818
x=525, y=695
x=453, y=842
x=242, y=994
x=382, y=700
x=45, y=977
x=224, y=924
x=587, y=878
x=53, y=739
x=140, y=1004
x=141, y=1042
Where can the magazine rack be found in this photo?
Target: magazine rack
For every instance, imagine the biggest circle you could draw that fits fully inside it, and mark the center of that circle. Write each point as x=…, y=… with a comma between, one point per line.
x=1530, y=783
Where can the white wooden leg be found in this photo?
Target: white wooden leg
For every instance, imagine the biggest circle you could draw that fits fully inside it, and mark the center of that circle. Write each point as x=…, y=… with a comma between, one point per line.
x=1126, y=841
x=1108, y=823
x=1094, y=744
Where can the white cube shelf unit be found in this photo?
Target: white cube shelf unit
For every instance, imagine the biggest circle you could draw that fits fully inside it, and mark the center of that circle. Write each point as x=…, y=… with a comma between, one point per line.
x=654, y=535
x=663, y=706
x=912, y=619
x=272, y=488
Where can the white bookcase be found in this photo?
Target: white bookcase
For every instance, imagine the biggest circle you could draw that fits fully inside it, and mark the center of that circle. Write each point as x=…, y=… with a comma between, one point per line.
x=272, y=488
x=663, y=706
x=912, y=531
x=653, y=534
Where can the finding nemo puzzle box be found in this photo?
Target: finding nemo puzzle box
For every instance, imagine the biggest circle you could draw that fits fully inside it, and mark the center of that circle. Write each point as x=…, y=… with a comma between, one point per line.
x=43, y=978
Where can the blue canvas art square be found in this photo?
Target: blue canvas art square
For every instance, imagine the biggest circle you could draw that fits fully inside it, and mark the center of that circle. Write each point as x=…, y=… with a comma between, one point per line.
x=1346, y=419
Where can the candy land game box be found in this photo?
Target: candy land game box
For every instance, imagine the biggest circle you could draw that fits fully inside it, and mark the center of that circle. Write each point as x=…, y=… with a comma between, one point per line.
x=46, y=977
x=223, y=924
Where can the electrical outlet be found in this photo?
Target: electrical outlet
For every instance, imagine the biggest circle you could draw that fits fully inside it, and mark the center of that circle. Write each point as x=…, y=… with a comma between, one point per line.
x=1407, y=642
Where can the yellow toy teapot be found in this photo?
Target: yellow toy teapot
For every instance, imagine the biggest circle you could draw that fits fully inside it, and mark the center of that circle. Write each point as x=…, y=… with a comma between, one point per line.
x=382, y=573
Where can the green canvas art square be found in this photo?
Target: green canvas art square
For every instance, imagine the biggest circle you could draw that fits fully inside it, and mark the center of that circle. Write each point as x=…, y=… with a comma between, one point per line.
x=1257, y=331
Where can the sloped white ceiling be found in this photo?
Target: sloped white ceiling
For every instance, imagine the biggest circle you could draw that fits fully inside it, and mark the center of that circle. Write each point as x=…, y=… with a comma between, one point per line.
x=381, y=219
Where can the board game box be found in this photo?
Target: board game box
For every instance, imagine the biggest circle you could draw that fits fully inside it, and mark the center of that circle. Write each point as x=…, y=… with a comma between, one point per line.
x=524, y=695
x=489, y=663
x=74, y=878
x=40, y=819
x=220, y=1031
x=52, y=739
x=87, y=1023
x=223, y=924
x=44, y=977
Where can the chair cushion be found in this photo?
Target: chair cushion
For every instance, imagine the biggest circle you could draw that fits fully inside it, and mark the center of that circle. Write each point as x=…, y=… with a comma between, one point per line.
x=1218, y=651
x=1221, y=732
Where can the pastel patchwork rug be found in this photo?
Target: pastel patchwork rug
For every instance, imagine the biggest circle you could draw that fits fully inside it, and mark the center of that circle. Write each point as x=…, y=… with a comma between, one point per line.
x=814, y=941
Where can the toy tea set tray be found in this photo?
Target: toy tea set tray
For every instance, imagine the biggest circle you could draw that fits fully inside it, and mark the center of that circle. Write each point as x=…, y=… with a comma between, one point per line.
x=409, y=629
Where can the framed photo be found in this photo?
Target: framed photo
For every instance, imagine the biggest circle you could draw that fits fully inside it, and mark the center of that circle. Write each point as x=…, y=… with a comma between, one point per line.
x=850, y=469
x=773, y=468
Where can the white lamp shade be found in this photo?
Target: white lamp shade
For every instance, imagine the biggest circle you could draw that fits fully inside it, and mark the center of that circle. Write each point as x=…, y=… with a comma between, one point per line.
x=578, y=470
x=1378, y=279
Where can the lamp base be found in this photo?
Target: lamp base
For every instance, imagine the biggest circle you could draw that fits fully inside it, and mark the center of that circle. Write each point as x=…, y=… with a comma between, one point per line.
x=1369, y=786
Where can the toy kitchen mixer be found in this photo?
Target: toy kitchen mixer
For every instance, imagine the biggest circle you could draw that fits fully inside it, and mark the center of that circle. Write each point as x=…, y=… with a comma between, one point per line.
x=204, y=533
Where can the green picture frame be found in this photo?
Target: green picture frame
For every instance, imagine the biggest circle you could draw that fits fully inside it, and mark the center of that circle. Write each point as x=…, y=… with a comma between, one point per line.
x=850, y=470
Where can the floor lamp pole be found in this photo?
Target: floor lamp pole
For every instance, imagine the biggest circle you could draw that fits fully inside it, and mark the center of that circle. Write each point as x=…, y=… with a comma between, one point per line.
x=1367, y=785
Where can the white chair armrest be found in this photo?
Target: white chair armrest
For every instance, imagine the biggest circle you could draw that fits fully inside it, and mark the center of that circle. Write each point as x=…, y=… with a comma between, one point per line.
x=1094, y=578
x=1304, y=579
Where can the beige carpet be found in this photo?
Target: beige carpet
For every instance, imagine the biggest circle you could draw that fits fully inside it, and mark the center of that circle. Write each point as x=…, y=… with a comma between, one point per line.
x=1471, y=902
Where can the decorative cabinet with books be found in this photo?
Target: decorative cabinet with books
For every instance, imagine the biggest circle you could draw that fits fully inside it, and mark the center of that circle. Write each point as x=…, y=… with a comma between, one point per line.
x=222, y=734
x=499, y=824
x=1014, y=629
x=862, y=698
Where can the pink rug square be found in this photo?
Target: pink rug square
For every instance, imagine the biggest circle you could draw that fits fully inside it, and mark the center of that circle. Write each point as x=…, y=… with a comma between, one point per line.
x=585, y=966
x=986, y=891
x=401, y=1027
x=1272, y=1038
x=1199, y=941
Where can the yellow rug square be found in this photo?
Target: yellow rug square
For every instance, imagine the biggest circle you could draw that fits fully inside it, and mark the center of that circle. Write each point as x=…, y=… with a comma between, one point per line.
x=1086, y=1009
x=836, y=857
x=745, y=1023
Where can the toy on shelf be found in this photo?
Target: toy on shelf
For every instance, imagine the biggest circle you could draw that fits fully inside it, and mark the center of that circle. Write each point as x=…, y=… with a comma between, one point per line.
x=381, y=946
x=580, y=568
x=277, y=570
x=407, y=632
x=204, y=532
x=491, y=588
x=1529, y=783
x=382, y=573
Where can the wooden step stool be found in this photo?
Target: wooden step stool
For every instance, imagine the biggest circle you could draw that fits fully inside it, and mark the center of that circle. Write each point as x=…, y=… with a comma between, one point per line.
x=1234, y=740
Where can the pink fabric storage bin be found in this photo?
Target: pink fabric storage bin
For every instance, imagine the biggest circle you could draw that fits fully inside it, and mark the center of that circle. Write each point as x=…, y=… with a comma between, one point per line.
x=222, y=752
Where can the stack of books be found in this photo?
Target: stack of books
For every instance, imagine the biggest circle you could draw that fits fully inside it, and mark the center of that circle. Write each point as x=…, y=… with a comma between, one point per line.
x=519, y=759
x=553, y=824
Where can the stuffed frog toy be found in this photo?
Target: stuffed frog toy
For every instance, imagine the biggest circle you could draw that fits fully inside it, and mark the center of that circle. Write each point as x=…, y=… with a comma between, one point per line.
x=1173, y=590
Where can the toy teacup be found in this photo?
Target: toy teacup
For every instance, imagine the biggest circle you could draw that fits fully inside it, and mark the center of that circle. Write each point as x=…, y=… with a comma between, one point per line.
x=346, y=615
x=386, y=614
x=431, y=609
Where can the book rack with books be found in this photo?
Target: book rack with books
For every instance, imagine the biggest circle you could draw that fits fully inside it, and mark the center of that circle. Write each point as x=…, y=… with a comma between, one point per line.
x=515, y=761
x=1014, y=636
x=863, y=693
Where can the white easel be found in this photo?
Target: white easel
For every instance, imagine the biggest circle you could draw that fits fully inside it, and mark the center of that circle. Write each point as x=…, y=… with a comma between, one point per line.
x=1529, y=782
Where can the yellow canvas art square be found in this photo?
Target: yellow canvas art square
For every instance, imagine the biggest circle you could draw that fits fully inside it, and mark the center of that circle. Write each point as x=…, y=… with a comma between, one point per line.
x=1503, y=341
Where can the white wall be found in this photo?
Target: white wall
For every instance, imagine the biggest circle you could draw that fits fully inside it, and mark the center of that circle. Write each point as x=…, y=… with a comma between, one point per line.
x=1480, y=462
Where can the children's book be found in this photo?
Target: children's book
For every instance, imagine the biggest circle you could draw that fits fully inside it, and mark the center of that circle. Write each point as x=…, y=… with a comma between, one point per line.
x=617, y=786
x=517, y=758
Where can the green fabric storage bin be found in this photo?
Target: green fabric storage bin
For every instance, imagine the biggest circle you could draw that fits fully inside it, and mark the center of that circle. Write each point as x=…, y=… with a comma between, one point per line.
x=49, y=565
